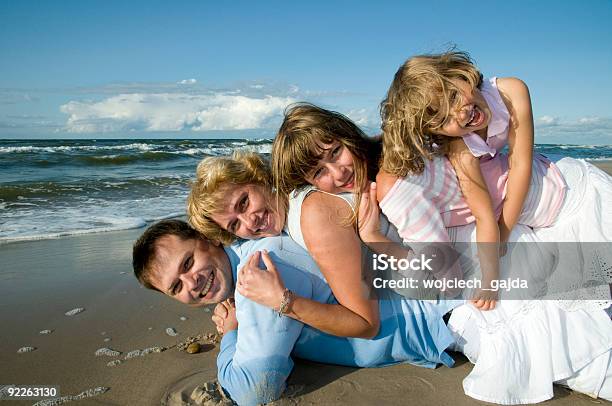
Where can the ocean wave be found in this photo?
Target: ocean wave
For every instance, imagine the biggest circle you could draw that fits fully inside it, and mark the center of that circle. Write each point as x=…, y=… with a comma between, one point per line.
x=34, y=190
x=126, y=159
x=207, y=151
x=222, y=150
x=73, y=148
x=124, y=225
x=165, y=217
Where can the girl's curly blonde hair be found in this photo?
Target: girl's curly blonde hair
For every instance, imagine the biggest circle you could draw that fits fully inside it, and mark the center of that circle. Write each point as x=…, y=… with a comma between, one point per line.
x=419, y=101
x=214, y=176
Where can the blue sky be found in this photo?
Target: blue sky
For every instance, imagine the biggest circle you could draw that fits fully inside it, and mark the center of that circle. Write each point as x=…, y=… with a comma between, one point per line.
x=191, y=69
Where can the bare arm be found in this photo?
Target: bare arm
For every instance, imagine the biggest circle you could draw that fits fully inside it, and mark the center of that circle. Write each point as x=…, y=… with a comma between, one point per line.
x=336, y=249
x=520, y=141
x=478, y=199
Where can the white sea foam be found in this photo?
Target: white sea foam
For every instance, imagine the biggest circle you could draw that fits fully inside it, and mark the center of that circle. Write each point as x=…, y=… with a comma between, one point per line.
x=126, y=224
x=87, y=148
x=206, y=151
x=599, y=159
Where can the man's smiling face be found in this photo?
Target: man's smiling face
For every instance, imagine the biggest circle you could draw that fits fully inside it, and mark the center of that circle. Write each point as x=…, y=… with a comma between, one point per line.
x=193, y=271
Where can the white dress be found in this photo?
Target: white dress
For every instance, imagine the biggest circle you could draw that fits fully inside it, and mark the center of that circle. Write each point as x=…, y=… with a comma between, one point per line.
x=527, y=345
x=523, y=346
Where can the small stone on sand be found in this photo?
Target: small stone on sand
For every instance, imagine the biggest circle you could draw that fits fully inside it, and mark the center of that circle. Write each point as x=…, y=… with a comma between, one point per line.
x=25, y=349
x=44, y=332
x=74, y=311
x=107, y=340
x=171, y=332
x=183, y=318
x=193, y=348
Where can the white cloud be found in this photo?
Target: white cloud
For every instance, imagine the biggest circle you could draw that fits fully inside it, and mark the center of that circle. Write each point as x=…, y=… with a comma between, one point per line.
x=174, y=112
x=364, y=117
x=188, y=82
x=586, y=130
x=546, y=121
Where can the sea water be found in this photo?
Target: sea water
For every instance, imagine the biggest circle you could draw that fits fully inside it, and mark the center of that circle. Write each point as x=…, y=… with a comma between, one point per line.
x=51, y=188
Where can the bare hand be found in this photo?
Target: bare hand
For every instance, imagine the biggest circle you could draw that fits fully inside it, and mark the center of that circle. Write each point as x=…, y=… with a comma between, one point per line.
x=484, y=299
x=369, y=215
x=262, y=286
x=224, y=316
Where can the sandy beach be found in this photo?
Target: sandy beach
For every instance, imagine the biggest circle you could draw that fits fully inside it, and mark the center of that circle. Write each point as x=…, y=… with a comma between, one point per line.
x=40, y=281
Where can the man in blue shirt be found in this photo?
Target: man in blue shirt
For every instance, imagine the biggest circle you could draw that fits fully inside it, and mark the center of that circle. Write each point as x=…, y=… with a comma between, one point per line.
x=255, y=356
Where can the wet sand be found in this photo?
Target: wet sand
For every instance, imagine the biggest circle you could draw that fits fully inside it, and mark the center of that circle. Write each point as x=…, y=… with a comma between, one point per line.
x=42, y=280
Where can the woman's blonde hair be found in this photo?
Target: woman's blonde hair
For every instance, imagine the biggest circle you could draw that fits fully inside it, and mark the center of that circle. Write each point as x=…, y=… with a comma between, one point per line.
x=419, y=101
x=299, y=144
x=214, y=176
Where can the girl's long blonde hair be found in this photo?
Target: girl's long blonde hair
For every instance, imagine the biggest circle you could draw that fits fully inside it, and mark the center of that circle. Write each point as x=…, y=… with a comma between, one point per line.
x=298, y=147
x=419, y=101
x=214, y=176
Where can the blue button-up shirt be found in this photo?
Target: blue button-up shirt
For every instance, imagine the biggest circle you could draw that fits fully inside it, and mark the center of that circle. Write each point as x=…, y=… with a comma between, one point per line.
x=255, y=360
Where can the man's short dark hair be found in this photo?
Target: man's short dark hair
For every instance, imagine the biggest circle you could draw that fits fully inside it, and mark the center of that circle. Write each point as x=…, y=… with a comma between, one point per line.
x=144, y=251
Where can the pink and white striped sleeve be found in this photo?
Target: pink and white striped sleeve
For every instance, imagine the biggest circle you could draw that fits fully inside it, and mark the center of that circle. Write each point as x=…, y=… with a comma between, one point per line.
x=415, y=216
